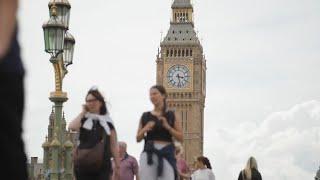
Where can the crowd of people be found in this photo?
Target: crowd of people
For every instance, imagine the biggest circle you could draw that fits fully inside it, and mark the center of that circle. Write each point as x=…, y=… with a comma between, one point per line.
x=162, y=156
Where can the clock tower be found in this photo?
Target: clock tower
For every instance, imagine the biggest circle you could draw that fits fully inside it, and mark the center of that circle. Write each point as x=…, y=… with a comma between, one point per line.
x=181, y=69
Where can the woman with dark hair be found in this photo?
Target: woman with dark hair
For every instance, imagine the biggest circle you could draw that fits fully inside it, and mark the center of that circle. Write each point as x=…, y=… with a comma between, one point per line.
x=204, y=170
x=250, y=172
x=158, y=128
x=95, y=125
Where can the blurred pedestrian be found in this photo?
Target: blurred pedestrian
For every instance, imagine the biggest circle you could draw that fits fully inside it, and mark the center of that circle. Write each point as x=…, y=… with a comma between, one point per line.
x=250, y=172
x=11, y=94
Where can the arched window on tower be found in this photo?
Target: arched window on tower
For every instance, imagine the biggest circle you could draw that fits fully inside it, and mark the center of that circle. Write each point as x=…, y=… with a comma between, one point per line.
x=175, y=53
x=171, y=53
x=179, y=52
x=187, y=52
x=182, y=52
x=182, y=119
x=190, y=52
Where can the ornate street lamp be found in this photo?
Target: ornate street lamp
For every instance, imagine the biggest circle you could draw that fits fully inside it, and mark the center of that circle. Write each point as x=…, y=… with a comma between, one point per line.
x=54, y=32
x=68, y=49
x=63, y=11
x=60, y=45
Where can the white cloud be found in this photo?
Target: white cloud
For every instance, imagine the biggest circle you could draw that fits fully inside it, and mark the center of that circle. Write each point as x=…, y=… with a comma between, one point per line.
x=286, y=145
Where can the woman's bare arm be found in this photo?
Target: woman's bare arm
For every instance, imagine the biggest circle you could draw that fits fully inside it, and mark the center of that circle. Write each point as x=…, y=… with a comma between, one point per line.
x=140, y=133
x=115, y=152
x=143, y=130
x=176, y=131
x=75, y=124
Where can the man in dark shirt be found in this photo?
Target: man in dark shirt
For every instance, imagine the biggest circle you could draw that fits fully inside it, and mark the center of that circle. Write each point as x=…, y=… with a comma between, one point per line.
x=11, y=94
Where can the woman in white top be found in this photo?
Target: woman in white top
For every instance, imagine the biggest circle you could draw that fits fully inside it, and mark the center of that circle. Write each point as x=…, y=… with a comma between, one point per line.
x=203, y=171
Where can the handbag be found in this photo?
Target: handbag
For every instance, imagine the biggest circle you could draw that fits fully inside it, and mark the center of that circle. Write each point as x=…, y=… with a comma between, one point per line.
x=90, y=160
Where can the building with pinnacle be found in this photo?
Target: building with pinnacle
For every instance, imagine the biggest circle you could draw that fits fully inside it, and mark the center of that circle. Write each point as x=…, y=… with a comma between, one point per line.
x=57, y=150
x=181, y=68
x=54, y=149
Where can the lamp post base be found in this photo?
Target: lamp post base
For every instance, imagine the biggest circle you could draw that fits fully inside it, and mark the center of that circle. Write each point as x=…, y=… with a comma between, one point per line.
x=58, y=96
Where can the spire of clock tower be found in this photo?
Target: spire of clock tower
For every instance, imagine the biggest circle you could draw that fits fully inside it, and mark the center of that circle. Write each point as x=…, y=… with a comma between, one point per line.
x=181, y=29
x=182, y=11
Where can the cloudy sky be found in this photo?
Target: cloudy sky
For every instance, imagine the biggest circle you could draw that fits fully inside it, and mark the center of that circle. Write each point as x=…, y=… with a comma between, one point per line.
x=263, y=90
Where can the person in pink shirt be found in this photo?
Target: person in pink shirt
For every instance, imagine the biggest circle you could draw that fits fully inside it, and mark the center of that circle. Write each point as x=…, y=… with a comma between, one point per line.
x=128, y=164
x=182, y=166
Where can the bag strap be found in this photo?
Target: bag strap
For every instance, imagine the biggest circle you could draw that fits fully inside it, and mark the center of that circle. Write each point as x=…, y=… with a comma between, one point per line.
x=104, y=137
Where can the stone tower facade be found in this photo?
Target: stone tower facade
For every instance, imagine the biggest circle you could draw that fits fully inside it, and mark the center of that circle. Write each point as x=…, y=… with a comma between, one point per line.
x=181, y=68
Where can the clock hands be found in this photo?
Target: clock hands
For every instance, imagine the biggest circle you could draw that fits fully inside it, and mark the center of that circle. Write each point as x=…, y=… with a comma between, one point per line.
x=179, y=77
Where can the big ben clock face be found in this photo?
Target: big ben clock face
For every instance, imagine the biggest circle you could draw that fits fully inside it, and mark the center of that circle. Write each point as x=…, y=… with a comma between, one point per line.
x=178, y=76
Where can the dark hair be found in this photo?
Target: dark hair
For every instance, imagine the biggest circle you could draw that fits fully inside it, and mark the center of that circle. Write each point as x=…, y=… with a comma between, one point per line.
x=99, y=97
x=162, y=91
x=205, y=161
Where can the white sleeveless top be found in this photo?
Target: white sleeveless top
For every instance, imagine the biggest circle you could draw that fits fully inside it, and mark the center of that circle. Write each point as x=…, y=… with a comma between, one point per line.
x=203, y=174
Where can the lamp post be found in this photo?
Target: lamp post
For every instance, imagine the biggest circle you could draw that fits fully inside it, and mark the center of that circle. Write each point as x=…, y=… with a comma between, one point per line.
x=59, y=43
